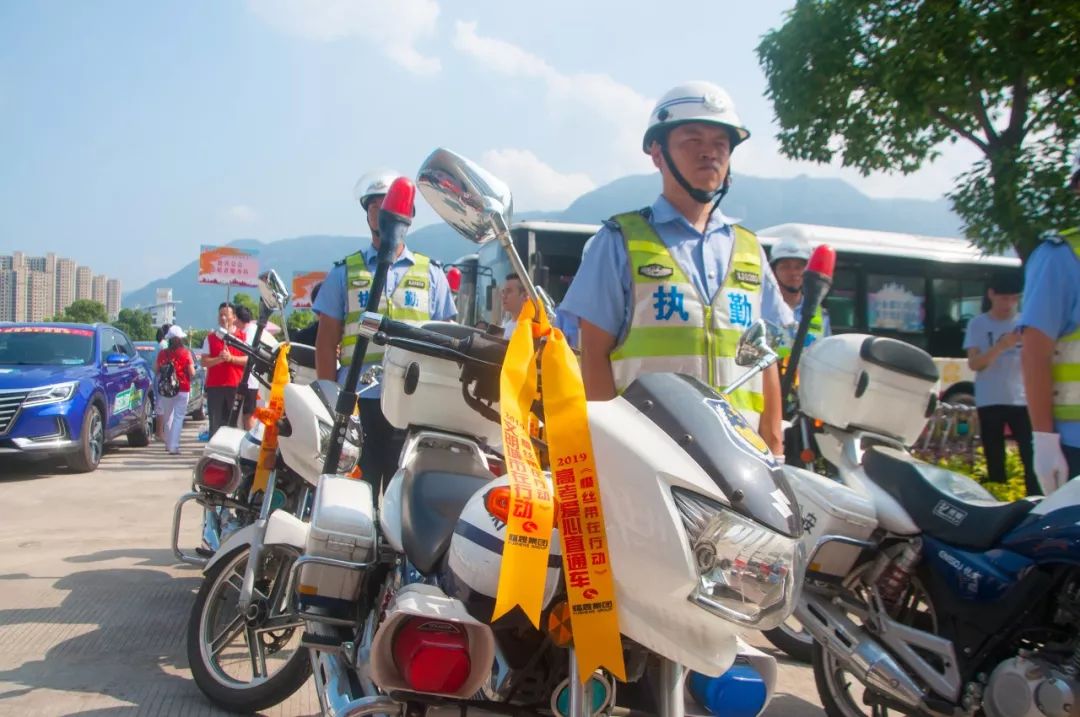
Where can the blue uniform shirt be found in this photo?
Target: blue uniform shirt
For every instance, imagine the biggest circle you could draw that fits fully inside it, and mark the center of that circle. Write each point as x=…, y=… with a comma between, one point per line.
x=601, y=292
x=1002, y=382
x=333, y=298
x=1052, y=305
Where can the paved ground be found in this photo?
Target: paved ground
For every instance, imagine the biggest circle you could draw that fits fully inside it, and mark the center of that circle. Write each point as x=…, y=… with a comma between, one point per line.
x=93, y=606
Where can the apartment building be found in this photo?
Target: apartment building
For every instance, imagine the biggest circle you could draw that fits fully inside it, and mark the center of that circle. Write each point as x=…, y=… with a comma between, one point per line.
x=36, y=288
x=112, y=298
x=84, y=280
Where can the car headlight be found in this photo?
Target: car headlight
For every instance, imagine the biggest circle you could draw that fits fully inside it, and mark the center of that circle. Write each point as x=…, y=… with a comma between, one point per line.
x=57, y=393
x=350, y=449
x=747, y=573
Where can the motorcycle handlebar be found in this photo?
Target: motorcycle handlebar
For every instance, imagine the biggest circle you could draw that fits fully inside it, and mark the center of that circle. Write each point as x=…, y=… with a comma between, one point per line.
x=477, y=347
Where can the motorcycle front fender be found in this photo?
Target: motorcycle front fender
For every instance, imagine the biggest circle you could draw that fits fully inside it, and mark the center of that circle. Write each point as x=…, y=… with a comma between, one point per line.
x=282, y=528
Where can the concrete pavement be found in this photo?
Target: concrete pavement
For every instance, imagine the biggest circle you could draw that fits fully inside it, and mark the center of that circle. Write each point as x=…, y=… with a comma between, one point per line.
x=93, y=606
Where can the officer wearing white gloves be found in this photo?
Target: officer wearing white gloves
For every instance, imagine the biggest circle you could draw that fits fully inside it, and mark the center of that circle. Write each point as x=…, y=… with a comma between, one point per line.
x=669, y=288
x=1051, y=351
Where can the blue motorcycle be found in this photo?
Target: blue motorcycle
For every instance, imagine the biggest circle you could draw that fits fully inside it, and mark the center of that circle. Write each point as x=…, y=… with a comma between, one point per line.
x=924, y=594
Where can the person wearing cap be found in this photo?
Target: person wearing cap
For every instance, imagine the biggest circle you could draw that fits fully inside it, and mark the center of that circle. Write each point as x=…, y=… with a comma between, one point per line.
x=1050, y=353
x=992, y=342
x=174, y=408
x=416, y=290
x=670, y=288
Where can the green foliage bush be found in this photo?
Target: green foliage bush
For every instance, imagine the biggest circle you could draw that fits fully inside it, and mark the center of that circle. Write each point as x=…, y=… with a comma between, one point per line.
x=1012, y=489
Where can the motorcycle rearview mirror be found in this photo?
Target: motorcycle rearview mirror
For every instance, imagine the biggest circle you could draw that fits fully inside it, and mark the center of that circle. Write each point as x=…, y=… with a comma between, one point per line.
x=467, y=197
x=476, y=203
x=753, y=344
x=272, y=290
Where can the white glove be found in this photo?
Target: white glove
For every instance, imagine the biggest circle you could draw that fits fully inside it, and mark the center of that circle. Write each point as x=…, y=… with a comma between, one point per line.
x=1050, y=466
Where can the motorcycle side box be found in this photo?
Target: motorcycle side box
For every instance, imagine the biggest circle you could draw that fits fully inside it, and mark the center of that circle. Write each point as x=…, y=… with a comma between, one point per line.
x=420, y=390
x=342, y=528
x=830, y=508
x=852, y=381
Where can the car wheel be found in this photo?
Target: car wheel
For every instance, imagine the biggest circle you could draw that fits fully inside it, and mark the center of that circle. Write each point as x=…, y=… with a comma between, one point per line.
x=91, y=442
x=140, y=436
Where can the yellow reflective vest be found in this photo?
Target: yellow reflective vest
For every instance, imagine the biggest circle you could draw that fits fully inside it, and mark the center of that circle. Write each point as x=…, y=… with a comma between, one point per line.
x=673, y=329
x=410, y=301
x=1066, y=370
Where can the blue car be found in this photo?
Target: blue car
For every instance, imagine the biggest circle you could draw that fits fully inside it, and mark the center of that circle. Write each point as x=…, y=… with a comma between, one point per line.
x=68, y=389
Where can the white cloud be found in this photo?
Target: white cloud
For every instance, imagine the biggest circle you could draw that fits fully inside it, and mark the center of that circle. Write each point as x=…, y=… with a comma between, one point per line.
x=536, y=185
x=242, y=213
x=574, y=95
x=394, y=27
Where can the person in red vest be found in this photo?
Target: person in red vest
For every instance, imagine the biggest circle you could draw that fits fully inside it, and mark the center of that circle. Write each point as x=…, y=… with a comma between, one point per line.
x=224, y=368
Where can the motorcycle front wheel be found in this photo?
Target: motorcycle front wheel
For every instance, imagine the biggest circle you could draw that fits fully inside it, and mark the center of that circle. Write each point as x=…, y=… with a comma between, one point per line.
x=246, y=661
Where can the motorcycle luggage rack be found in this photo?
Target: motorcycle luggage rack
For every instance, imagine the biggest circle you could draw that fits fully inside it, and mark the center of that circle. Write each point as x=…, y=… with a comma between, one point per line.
x=294, y=586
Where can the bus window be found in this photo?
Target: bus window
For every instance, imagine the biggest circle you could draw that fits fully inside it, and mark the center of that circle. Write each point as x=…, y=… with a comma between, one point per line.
x=955, y=302
x=841, y=301
x=896, y=303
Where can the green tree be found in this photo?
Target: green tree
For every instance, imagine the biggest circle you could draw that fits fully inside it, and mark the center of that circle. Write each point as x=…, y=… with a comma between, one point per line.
x=137, y=324
x=196, y=337
x=242, y=299
x=83, y=311
x=881, y=84
x=300, y=319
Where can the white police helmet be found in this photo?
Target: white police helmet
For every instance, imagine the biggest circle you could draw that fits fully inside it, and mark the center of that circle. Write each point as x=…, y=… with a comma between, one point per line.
x=474, y=558
x=693, y=102
x=789, y=248
x=373, y=184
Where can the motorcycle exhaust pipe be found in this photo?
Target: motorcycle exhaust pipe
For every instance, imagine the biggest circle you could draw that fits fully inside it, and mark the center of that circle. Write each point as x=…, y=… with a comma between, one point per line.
x=334, y=689
x=857, y=650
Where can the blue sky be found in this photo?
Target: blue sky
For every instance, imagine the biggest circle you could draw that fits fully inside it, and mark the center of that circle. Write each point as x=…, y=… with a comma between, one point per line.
x=136, y=131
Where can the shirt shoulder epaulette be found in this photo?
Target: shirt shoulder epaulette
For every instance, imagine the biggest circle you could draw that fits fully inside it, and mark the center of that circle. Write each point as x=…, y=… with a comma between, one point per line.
x=341, y=262
x=613, y=222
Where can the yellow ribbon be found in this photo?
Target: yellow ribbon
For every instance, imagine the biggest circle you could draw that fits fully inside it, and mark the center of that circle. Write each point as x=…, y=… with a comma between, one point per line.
x=531, y=514
x=586, y=562
x=269, y=415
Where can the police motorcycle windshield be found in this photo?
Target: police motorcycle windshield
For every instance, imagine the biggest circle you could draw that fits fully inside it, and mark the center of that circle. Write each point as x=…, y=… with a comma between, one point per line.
x=716, y=436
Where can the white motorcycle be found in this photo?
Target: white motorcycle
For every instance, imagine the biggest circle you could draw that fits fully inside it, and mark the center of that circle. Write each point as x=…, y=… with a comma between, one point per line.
x=702, y=529
x=243, y=639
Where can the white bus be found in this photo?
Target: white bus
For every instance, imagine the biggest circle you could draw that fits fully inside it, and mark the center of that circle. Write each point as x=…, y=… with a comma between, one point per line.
x=919, y=289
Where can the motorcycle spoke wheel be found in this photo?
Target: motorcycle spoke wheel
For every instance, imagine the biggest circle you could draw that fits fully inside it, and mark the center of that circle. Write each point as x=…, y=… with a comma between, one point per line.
x=239, y=654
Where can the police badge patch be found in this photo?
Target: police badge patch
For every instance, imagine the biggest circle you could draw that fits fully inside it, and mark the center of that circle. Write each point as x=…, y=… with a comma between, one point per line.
x=361, y=282
x=748, y=277
x=655, y=271
x=415, y=284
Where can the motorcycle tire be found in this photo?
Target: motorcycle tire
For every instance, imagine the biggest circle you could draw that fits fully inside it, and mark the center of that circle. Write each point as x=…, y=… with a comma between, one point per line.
x=797, y=644
x=277, y=688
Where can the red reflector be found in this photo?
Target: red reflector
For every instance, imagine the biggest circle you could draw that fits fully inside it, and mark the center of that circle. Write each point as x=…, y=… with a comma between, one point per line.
x=215, y=475
x=432, y=655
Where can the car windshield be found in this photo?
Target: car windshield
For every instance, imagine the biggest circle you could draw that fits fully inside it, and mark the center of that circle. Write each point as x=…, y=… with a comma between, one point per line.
x=46, y=346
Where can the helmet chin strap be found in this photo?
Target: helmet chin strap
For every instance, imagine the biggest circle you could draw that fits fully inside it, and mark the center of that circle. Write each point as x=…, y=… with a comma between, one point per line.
x=789, y=289
x=698, y=195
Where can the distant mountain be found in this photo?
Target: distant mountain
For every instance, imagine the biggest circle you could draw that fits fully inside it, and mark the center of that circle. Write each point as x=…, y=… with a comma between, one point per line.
x=757, y=202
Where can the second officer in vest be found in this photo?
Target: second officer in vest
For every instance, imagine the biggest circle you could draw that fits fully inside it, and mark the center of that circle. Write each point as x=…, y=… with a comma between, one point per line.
x=417, y=290
x=670, y=288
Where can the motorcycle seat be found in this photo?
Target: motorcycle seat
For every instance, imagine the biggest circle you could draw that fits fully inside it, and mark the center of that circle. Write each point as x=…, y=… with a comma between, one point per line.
x=945, y=505
x=433, y=495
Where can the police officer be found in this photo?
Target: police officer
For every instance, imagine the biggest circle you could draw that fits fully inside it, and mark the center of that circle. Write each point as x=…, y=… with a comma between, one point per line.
x=417, y=291
x=788, y=260
x=1050, y=351
x=649, y=278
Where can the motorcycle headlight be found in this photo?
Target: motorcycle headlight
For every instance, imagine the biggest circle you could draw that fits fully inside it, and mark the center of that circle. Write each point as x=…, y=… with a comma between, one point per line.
x=57, y=393
x=350, y=449
x=747, y=573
